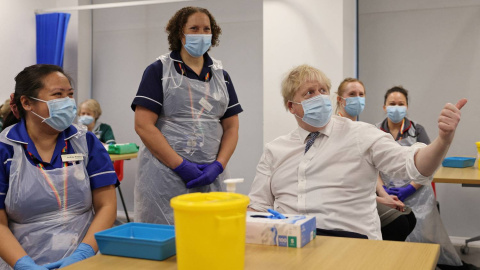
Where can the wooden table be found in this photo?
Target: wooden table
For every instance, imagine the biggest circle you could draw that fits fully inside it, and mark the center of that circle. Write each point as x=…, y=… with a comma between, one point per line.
x=322, y=253
x=469, y=175
x=115, y=157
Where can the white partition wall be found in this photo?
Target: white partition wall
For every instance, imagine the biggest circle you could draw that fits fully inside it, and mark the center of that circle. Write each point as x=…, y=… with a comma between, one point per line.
x=17, y=45
x=313, y=32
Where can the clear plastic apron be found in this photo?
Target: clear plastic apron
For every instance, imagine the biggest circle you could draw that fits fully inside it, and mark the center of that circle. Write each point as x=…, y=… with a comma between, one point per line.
x=46, y=227
x=190, y=121
x=429, y=228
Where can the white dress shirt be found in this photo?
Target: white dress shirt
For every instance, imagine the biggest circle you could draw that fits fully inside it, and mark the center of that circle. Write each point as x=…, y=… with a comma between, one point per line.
x=335, y=180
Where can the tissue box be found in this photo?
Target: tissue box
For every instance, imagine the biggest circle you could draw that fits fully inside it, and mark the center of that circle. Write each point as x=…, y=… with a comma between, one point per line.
x=294, y=231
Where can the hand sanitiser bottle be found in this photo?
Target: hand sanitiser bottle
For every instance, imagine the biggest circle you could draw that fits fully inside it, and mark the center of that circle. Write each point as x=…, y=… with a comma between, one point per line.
x=232, y=183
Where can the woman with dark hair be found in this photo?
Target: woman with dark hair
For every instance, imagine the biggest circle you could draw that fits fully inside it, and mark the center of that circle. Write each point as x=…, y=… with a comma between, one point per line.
x=420, y=198
x=186, y=113
x=57, y=184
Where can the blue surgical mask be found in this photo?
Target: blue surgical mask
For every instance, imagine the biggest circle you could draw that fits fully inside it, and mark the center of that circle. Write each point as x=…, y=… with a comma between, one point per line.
x=62, y=112
x=197, y=44
x=85, y=120
x=354, y=105
x=317, y=111
x=396, y=113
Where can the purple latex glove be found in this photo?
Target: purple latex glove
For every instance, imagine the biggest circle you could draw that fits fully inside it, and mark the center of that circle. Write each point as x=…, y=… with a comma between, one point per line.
x=404, y=192
x=188, y=171
x=82, y=252
x=390, y=191
x=210, y=173
x=27, y=263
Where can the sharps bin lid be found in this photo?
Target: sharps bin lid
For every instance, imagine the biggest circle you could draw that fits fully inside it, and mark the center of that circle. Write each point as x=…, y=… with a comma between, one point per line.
x=209, y=201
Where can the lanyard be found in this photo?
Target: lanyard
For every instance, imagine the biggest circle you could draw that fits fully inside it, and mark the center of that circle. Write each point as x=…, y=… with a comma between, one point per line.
x=41, y=167
x=401, y=129
x=207, y=79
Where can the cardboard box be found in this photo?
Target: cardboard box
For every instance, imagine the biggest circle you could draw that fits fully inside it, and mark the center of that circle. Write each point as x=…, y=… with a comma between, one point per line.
x=294, y=231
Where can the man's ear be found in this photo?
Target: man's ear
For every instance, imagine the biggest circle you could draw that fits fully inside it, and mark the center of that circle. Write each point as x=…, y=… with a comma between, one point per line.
x=290, y=107
x=26, y=103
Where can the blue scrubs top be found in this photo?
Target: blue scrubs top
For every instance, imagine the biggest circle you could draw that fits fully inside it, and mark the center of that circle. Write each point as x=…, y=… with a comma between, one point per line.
x=150, y=91
x=99, y=168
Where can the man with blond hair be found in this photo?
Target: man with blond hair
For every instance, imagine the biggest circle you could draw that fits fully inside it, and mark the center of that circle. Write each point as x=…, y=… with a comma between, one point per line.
x=328, y=165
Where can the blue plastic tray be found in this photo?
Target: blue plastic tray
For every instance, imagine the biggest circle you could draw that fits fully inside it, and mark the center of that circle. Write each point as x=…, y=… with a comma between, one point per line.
x=138, y=240
x=458, y=162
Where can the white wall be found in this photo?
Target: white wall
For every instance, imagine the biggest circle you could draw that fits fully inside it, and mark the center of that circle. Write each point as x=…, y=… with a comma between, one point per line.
x=318, y=33
x=127, y=40
x=18, y=42
x=432, y=48
x=17, y=28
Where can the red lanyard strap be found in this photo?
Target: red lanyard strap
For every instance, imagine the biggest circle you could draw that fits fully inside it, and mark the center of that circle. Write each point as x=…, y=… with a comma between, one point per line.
x=207, y=79
x=41, y=167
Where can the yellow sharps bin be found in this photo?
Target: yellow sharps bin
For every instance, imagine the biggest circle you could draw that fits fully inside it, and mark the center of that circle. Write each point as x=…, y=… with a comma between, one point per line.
x=210, y=230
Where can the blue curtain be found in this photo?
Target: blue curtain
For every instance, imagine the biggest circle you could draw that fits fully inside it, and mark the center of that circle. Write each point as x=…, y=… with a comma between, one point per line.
x=51, y=33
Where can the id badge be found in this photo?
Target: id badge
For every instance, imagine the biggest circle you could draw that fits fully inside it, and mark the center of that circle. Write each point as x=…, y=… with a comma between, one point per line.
x=205, y=104
x=72, y=157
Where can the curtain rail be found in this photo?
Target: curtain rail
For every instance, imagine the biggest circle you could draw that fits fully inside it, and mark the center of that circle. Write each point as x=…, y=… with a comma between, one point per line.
x=109, y=5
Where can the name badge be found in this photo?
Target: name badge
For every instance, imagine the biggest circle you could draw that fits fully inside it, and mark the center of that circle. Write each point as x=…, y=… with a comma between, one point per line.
x=205, y=104
x=72, y=157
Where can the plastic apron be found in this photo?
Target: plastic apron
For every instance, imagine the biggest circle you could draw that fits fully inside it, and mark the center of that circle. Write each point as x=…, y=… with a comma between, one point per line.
x=48, y=232
x=190, y=121
x=429, y=228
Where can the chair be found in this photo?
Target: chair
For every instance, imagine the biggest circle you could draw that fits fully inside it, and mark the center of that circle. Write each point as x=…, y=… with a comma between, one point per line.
x=118, y=166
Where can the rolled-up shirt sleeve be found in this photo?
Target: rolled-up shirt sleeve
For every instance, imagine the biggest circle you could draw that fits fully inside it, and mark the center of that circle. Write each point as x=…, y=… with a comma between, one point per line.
x=412, y=170
x=261, y=197
x=395, y=160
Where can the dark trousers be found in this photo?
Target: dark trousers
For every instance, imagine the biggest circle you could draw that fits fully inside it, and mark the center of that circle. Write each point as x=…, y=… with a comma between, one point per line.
x=400, y=228
x=340, y=234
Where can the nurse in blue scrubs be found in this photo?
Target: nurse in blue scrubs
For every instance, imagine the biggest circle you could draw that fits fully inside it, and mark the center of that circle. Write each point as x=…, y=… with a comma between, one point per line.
x=57, y=183
x=186, y=113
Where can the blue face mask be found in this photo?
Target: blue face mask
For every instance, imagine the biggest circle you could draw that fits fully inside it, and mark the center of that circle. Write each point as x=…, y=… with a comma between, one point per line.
x=354, y=105
x=62, y=112
x=317, y=111
x=197, y=44
x=396, y=113
x=85, y=120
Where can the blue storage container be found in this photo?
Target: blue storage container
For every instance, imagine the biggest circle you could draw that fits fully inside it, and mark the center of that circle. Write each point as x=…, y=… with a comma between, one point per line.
x=458, y=162
x=138, y=240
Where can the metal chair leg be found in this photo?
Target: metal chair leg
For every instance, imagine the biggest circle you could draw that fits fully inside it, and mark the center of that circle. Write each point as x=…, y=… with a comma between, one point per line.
x=123, y=203
x=465, y=249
